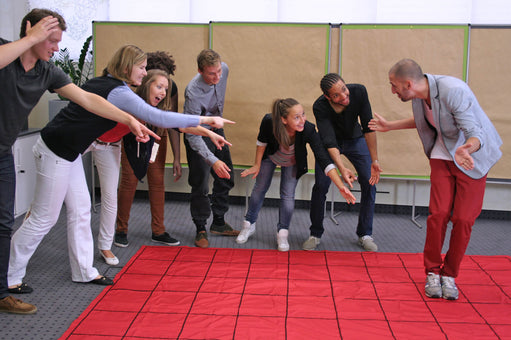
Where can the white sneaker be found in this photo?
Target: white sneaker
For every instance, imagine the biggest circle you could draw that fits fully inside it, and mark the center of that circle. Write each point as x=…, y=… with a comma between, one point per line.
x=367, y=243
x=311, y=243
x=282, y=243
x=247, y=231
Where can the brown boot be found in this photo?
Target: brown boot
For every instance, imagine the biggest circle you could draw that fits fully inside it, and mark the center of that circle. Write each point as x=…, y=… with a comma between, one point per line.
x=12, y=305
x=201, y=240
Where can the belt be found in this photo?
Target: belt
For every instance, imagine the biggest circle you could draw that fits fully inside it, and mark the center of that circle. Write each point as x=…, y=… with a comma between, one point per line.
x=100, y=142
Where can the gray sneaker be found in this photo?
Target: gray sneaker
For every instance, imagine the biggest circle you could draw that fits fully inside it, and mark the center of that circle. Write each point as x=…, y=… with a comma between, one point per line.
x=449, y=289
x=367, y=243
x=311, y=243
x=433, y=287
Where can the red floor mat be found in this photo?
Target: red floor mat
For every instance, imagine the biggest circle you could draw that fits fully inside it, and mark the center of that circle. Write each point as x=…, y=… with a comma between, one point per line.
x=193, y=293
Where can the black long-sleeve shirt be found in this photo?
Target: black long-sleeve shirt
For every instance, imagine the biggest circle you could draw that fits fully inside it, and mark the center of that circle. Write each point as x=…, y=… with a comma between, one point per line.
x=349, y=124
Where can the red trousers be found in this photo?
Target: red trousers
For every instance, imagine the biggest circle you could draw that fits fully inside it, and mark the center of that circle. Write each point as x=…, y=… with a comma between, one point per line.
x=456, y=197
x=156, y=185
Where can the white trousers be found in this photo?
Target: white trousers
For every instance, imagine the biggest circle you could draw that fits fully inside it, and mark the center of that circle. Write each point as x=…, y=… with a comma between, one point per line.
x=58, y=181
x=107, y=159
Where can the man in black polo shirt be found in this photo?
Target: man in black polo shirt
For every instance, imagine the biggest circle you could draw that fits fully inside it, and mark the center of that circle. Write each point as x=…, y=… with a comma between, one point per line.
x=342, y=114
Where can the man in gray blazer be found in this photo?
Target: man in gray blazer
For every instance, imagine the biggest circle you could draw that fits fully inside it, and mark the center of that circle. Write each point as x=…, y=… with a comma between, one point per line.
x=462, y=145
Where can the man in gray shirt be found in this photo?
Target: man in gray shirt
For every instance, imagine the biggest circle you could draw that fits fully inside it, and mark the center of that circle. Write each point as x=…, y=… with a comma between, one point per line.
x=205, y=96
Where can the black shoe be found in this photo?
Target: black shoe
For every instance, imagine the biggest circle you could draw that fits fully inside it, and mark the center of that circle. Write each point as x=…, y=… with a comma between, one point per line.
x=165, y=238
x=225, y=230
x=21, y=289
x=103, y=281
x=121, y=240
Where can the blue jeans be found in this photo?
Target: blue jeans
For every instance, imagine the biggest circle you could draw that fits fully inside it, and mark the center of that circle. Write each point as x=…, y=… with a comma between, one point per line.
x=358, y=154
x=7, y=192
x=287, y=193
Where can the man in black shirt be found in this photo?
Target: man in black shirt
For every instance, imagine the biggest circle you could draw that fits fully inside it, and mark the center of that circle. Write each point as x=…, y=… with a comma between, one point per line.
x=342, y=116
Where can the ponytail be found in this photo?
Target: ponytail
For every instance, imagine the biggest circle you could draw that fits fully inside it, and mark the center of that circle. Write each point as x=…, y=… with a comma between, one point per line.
x=281, y=110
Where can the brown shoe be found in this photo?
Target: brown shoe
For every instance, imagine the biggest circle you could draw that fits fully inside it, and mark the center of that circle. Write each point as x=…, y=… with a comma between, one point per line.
x=16, y=306
x=225, y=230
x=201, y=240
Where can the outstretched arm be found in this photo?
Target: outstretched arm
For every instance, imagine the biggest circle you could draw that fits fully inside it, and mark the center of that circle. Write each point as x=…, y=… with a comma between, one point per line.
x=218, y=140
x=100, y=106
x=347, y=175
x=215, y=121
x=382, y=125
x=345, y=192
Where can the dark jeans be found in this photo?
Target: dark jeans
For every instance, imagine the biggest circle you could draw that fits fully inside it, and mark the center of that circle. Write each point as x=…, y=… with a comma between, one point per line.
x=358, y=154
x=7, y=192
x=198, y=178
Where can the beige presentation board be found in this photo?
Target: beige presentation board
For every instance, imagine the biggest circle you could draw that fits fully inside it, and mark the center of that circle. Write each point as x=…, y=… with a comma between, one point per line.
x=268, y=61
x=367, y=54
x=182, y=41
x=489, y=77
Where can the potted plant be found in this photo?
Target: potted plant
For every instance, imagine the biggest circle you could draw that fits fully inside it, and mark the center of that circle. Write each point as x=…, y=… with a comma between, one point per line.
x=79, y=71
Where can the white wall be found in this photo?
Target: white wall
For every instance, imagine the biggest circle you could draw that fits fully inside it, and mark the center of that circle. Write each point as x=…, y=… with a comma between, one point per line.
x=318, y=11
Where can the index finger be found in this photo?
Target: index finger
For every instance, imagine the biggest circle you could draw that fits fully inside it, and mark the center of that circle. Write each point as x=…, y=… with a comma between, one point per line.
x=151, y=133
x=349, y=180
x=227, y=121
x=377, y=115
